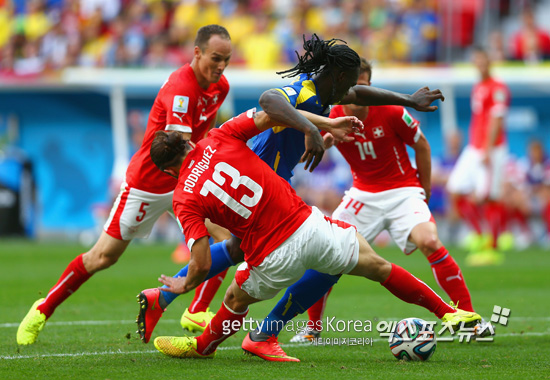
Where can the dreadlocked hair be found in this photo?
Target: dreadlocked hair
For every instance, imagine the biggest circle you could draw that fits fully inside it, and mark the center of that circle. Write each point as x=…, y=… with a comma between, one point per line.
x=167, y=148
x=323, y=55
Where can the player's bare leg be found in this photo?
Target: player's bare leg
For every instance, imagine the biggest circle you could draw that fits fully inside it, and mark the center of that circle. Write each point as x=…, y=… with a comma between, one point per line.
x=445, y=269
x=103, y=254
x=405, y=286
x=198, y=315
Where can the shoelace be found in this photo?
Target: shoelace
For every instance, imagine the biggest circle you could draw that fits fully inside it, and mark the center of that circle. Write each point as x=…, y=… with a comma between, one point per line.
x=273, y=341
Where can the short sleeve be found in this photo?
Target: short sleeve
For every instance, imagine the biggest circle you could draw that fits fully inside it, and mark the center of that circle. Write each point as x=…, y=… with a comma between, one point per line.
x=405, y=126
x=500, y=100
x=179, y=107
x=190, y=220
x=242, y=127
x=290, y=93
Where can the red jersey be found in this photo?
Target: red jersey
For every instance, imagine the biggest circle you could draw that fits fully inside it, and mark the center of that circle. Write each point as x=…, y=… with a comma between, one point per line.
x=181, y=105
x=223, y=180
x=490, y=98
x=378, y=157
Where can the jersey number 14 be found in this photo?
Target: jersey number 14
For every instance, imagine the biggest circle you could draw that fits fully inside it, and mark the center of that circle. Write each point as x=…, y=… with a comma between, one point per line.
x=366, y=149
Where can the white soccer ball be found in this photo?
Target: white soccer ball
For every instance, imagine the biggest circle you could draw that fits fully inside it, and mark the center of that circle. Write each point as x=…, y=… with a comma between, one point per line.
x=413, y=339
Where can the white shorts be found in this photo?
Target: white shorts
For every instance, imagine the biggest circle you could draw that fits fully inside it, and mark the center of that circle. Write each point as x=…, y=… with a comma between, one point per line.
x=320, y=243
x=470, y=176
x=396, y=210
x=135, y=212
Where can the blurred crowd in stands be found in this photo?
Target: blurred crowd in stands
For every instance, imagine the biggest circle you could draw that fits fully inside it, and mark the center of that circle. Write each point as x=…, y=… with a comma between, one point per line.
x=43, y=36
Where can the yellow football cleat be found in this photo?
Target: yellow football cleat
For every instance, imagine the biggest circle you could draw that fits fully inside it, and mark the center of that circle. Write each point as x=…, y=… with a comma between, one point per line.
x=180, y=347
x=487, y=257
x=466, y=318
x=196, y=321
x=31, y=325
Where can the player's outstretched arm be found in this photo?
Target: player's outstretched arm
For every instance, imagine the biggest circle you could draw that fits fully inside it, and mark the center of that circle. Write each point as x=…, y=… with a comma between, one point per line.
x=199, y=266
x=421, y=100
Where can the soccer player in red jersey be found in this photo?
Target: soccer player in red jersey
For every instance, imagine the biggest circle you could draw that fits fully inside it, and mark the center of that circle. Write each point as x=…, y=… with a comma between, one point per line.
x=221, y=179
x=328, y=74
x=389, y=194
x=187, y=102
x=475, y=183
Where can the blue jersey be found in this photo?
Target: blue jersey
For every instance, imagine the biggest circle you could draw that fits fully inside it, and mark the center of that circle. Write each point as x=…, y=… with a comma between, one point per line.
x=280, y=147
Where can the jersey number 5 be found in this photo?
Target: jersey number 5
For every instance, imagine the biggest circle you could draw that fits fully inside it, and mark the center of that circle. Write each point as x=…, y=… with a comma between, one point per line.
x=240, y=207
x=366, y=149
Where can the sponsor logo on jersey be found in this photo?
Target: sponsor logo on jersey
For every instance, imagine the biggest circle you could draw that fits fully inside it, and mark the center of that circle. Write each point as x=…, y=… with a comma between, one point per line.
x=289, y=91
x=378, y=132
x=181, y=103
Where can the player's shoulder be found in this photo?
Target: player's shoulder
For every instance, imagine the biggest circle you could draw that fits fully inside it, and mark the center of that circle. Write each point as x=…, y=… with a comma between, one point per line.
x=181, y=81
x=337, y=111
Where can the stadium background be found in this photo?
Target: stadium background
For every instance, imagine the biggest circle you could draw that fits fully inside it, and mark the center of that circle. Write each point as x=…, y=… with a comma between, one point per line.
x=77, y=79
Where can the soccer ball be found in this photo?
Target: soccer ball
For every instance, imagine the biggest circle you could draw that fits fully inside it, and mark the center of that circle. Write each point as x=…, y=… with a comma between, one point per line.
x=412, y=339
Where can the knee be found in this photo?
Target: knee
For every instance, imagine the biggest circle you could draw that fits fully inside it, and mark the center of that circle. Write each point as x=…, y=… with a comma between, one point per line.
x=429, y=244
x=233, y=302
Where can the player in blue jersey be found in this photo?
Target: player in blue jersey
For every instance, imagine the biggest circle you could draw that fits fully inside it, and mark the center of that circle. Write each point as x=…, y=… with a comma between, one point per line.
x=328, y=74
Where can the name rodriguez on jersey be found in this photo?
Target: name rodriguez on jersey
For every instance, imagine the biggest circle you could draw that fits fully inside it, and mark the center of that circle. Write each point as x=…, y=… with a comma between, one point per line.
x=199, y=168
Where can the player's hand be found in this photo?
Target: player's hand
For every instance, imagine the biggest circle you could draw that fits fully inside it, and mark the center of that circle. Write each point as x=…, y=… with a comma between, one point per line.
x=174, y=285
x=329, y=140
x=424, y=97
x=343, y=126
x=314, y=150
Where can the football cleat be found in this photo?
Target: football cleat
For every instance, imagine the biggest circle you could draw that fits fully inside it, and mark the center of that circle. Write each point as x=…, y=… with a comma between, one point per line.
x=307, y=335
x=268, y=350
x=487, y=257
x=196, y=321
x=31, y=325
x=180, y=347
x=149, y=313
x=462, y=318
x=484, y=329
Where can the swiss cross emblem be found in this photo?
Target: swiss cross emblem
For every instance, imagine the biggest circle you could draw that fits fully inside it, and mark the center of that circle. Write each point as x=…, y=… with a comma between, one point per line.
x=378, y=132
x=215, y=99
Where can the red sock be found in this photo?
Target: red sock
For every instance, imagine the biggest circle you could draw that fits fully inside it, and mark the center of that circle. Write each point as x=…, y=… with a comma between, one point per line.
x=410, y=289
x=205, y=292
x=469, y=212
x=74, y=275
x=546, y=217
x=315, y=312
x=521, y=219
x=225, y=323
x=449, y=277
x=494, y=213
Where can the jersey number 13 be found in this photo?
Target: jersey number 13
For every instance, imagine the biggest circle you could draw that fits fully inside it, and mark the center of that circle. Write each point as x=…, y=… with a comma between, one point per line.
x=240, y=207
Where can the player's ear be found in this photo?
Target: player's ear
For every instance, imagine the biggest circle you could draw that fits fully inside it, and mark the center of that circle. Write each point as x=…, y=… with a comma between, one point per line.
x=197, y=52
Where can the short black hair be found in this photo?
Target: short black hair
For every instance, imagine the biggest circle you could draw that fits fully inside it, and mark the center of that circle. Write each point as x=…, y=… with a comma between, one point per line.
x=323, y=55
x=207, y=31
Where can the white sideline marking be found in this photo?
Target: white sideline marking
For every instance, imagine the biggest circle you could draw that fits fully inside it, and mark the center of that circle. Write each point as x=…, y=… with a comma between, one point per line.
x=119, y=352
x=86, y=323
x=128, y=321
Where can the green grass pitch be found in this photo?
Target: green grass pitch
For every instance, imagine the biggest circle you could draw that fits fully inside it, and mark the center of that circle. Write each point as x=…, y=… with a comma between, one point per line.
x=92, y=335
